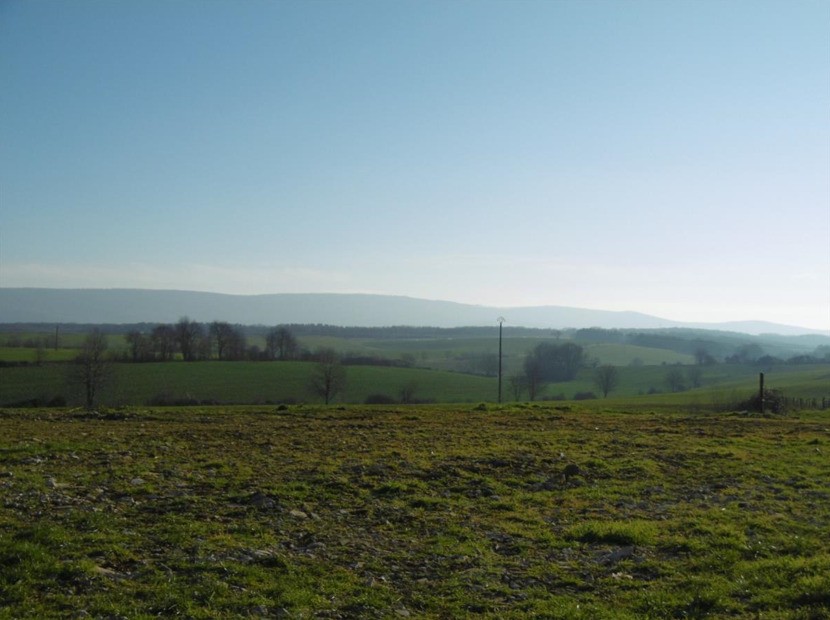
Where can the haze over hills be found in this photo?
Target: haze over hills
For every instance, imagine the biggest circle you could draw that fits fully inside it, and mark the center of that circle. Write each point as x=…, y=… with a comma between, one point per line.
x=119, y=306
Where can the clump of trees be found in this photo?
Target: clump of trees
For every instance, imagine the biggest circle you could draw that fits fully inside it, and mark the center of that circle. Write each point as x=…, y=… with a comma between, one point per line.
x=549, y=363
x=281, y=344
x=218, y=340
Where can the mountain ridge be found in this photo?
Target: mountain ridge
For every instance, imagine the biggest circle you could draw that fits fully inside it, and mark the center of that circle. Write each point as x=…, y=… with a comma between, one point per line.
x=121, y=305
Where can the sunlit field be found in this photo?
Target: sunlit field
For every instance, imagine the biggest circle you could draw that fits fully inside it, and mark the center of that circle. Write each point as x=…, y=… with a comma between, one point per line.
x=534, y=510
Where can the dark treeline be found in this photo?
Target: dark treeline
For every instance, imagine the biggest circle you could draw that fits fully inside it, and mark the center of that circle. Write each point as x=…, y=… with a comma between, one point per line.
x=219, y=340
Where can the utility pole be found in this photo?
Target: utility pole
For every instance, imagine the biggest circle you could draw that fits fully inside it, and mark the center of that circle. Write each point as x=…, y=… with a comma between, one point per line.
x=501, y=322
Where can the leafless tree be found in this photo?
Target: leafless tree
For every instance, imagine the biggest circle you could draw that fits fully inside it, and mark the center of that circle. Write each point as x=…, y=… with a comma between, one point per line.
x=606, y=378
x=534, y=381
x=190, y=336
x=163, y=339
x=517, y=385
x=281, y=344
x=328, y=376
x=40, y=353
x=229, y=340
x=407, y=392
x=674, y=379
x=141, y=346
x=90, y=368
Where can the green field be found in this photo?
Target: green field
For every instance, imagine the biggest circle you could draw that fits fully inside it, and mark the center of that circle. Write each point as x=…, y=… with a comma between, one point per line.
x=525, y=511
x=66, y=340
x=626, y=354
x=25, y=354
x=448, y=366
x=460, y=354
x=453, y=354
x=238, y=382
x=261, y=382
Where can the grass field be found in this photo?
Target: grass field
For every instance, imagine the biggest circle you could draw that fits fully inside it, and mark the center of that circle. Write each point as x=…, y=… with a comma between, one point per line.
x=24, y=354
x=238, y=382
x=531, y=511
x=67, y=340
x=452, y=354
x=456, y=354
x=261, y=382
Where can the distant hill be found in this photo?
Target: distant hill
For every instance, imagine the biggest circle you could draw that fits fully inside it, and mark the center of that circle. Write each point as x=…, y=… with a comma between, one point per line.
x=118, y=306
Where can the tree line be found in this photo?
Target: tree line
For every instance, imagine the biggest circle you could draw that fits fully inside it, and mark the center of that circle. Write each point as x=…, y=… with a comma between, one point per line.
x=218, y=340
x=91, y=369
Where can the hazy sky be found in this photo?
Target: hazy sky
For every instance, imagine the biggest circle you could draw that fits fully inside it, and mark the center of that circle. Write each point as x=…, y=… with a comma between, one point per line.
x=664, y=156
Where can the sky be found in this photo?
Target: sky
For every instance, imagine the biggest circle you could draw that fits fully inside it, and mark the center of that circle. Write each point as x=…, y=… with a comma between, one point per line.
x=670, y=157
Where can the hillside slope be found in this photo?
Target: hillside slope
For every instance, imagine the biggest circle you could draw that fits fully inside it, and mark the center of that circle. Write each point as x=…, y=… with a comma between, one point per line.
x=33, y=305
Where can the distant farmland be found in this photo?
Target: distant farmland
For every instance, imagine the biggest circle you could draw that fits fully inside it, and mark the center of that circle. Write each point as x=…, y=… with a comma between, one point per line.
x=713, y=370
x=276, y=382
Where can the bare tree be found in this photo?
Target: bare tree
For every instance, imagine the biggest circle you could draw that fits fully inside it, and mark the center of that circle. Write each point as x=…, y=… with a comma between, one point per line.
x=133, y=339
x=163, y=339
x=674, y=379
x=229, y=340
x=407, y=392
x=190, y=336
x=606, y=378
x=141, y=346
x=220, y=333
x=40, y=353
x=534, y=380
x=90, y=368
x=517, y=385
x=328, y=376
x=237, y=348
x=281, y=344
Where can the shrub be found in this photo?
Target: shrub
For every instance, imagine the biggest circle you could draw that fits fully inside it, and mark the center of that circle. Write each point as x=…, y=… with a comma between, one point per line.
x=379, y=399
x=584, y=396
x=57, y=401
x=774, y=402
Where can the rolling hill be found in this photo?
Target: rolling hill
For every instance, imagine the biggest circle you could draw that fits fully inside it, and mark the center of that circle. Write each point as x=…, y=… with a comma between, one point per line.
x=119, y=306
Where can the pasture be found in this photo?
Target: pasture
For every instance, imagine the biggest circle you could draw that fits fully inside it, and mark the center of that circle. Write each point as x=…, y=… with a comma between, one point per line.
x=722, y=385
x=521, y=511
x=452, y=354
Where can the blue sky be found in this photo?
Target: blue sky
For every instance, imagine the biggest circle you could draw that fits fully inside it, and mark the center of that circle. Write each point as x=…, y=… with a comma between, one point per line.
x=668, y=157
